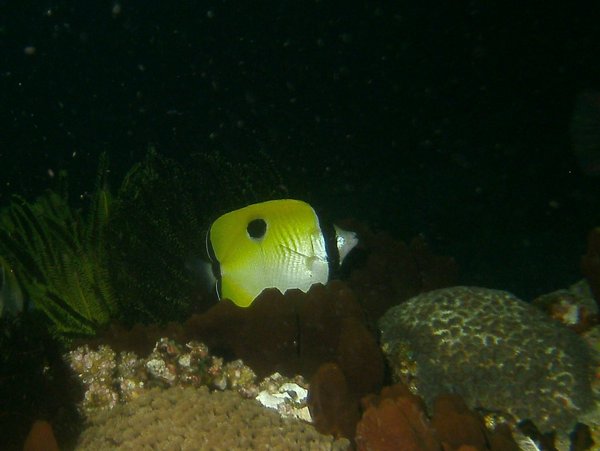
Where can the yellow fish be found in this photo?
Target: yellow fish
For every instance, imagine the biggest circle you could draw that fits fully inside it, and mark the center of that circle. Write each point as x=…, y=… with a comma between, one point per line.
x=278, y=243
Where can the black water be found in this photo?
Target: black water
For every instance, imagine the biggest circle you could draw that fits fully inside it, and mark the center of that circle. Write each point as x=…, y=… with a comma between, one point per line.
x=449, y=119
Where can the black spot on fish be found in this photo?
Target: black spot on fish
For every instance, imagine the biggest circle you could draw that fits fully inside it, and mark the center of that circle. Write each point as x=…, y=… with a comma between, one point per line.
x=257, y=228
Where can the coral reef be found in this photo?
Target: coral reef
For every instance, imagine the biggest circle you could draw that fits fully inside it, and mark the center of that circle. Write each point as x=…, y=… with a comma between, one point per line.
x=195, y=418
x=110, y=378
x=494, y=350
x=306, y=330
x=575, y=307
x=590, y=263
x=397, y=419
x=288, y=396
x=393, y=271
x=480, y=340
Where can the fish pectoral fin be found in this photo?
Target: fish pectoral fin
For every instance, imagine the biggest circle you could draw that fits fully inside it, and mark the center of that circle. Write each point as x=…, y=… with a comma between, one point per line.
x=294, y=251
x=309, y=265
x=312, y=257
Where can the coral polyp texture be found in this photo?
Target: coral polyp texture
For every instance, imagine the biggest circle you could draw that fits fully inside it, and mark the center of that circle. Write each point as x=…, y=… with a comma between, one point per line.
x=194, y=418
x=494, y=350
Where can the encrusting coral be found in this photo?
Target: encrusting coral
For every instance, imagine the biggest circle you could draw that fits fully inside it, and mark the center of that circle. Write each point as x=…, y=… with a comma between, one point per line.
x=195, y=418
x=493, y=349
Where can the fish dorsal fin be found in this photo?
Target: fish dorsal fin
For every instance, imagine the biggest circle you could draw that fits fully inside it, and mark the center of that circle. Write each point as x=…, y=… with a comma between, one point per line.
x=346, y=240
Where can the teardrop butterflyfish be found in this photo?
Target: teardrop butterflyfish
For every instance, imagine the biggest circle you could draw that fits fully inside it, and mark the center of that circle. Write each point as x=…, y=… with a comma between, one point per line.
x=274, y=244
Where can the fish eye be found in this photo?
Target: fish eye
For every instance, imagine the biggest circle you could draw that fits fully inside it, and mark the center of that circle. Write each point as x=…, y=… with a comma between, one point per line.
x=257, y=228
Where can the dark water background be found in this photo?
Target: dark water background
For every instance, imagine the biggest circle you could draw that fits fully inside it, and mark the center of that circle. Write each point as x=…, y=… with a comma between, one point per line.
x=448, y=119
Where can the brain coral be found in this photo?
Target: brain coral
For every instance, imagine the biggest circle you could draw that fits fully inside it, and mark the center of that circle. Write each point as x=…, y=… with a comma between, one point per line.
x=494, y=350
x=192, y=419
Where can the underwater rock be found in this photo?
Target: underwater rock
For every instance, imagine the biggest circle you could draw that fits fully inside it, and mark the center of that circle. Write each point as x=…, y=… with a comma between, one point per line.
x=494, y=350
x=288, y=396
x=195, y=418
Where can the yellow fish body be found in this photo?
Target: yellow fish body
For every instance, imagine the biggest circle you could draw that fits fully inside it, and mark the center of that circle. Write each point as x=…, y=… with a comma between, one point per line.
x=278, y=243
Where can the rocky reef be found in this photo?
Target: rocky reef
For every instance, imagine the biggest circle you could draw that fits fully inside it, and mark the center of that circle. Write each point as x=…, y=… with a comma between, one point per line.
x=109, y=378
x=307, y=332
x=480, y=360
x=494, y=350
